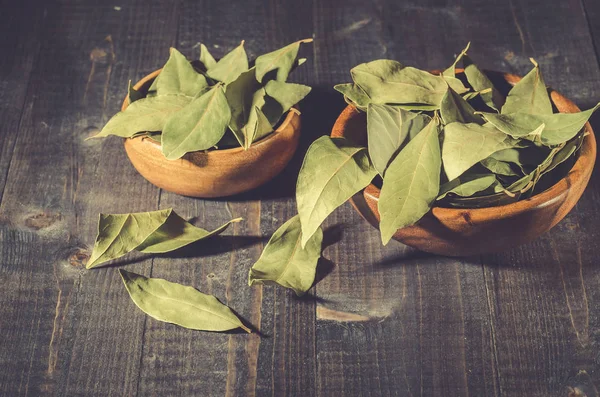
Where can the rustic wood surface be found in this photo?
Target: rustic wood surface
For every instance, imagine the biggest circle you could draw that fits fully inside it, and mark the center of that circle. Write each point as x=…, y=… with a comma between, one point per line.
x=381, y=322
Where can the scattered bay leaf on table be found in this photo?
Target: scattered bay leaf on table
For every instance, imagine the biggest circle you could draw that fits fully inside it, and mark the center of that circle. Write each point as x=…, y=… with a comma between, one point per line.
x=282, y=61
x=285, y=96
x=332, y=172
x=178, y=77
x=230, y=66
x=467, y=185
x=559, y=127
x=481, y=83
x=451, y=70
x=198, y=126
x=178, y=304
x=454, y=108
x=411, y=183
x=285, y=262
x=388, y=128
x=206, y=58
x=176, y=233
x=529, y=95
x=240, y=97
x=465, y=145
x=146, y=114
x=133, y=94
x=150, y=232
x=386, y=81
x=354, y=95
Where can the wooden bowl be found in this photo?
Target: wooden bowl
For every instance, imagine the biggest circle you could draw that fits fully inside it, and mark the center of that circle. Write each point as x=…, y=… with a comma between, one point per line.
x=214, y=173
x=463, y=232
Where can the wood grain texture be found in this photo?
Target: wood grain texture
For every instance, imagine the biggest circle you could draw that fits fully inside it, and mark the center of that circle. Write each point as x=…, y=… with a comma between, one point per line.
x=382, y=321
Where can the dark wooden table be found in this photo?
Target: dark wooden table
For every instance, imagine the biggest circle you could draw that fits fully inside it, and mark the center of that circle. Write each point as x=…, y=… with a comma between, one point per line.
x=382, y=321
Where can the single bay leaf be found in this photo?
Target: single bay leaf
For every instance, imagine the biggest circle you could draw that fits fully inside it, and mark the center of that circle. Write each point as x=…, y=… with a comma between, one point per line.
x=178, y=77
x=529, y=95
x=258, y=127
x=454, y=108
x=492, y=200
x=282, y=61
x=178, y=304
x=133, y=94
x=354, y=95
x=564, y=153
x=465, y=145
x=388, y=128
x=451, y=71
x=206, y=58
x=285, y=262
x=499, y=167
x=386, y=81
x=230, y=66
x=481, y=83
x=198, y=126
x=332, y=172
x=146, y=114
x=285, y=95
x=240, y=97
x=411, y=183
x=176, y=233
x=559, y=127
x=467, y=185
x=119, y=234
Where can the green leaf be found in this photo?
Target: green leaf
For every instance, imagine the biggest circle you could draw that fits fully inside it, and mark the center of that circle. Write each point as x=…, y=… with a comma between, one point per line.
x=454, y=108
x=558, y=127
x=230, y=66
x=178, y=77
x=500, y=198
x=258, y=127
x=529, y=95
x=282, y=60
x=284, y=262
x=451, y=71
x=465, y=145
x=354, y=95
x=133, y=94
x=411, y=183
x=240, y=97
x=198, y=126
x=467, y=185
x=146, y=114
x=151, y=232
x=206, y=58
x=389, y=128
x=499, y=167
x=481, y=83
x=332, y=172
x=178, y=304
x=386, y=81
x=285, y=95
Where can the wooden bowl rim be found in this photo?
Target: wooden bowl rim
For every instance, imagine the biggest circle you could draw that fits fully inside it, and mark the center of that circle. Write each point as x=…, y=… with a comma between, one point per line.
x=585, y=161
x=217, y=152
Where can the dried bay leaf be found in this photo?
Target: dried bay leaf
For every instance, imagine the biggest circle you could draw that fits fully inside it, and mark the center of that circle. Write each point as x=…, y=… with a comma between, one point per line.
x=332, y=172
x=558, y=127
x=146, y=114
x=499, y=167
x=467, y=185
x=230, y=66
x=285, y=262
x=206, y=58
x=354, y=95
x=282, y=61
x=411, y=183
x=151, y=232
x=388, y=128
x=258, y=127
x=454, y=108
x=240, y=97
x=465, y=145
x=481, y=83
x=285, y=96
x=133, y=94
x=178, y=304
x=529, y=95
x=198, y=126
x=451, y=71
x=178, y=77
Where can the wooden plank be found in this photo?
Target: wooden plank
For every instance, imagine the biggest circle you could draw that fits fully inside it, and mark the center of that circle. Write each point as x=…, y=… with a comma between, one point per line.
x=67, y=331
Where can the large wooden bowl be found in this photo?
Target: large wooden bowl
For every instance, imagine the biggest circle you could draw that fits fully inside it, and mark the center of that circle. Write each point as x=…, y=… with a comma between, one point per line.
x=463, y=232
x=214, y=173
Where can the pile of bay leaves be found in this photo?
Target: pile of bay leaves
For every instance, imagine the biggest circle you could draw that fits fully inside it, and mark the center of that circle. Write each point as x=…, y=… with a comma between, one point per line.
x=212, y=104
x=447, y=139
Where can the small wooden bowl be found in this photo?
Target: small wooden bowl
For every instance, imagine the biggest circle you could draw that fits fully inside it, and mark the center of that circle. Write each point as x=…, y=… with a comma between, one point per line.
x=463, y=232
x=214, y=173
